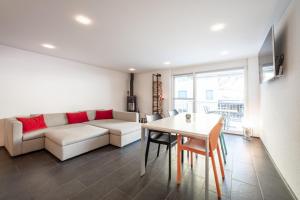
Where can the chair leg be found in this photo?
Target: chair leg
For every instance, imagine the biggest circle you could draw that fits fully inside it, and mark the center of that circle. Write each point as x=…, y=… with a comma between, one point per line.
x=147, y=150
x=158, y=149
x=178, y=159
x=170, y=160
x=220, y=161
x=215, y=175
x=182, y=153
x=191, y=159
x=170, y=163
x=223, y=138
x=223, y=151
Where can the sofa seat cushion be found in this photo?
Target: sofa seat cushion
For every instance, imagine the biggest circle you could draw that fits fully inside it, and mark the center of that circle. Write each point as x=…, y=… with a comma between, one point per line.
x=35, y=134
x=115, y=126
x=41, y=132
x=71, y=135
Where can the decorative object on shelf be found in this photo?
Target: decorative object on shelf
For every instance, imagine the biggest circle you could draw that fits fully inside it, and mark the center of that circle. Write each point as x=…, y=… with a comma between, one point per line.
x=131, y=98
x=157, y=94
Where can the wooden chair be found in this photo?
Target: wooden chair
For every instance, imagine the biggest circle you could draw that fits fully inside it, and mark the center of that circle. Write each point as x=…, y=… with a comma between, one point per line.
x=198, y=146
x=159, y=138
x=222, y=138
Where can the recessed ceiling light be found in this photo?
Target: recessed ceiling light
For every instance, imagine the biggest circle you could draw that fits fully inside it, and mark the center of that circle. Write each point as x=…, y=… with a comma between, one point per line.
x=167, y=63
x=131, y=69
x=224, y=53
x=83, y=19
x=217, y=27
x=48, y=46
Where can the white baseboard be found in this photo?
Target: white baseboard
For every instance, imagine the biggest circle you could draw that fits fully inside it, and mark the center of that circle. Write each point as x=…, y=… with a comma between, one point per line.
x=280, y=174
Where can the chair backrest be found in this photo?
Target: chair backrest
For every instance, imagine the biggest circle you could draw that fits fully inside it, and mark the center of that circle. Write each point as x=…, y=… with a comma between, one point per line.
x=153, y=117
x=206, y=109
x=214, y=136
x=173, y=113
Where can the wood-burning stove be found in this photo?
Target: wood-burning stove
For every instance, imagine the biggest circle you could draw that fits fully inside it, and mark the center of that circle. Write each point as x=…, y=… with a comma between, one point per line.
x=131, y=98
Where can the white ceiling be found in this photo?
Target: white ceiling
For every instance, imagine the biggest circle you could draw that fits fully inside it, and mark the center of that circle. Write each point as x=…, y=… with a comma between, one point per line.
x=139, y=33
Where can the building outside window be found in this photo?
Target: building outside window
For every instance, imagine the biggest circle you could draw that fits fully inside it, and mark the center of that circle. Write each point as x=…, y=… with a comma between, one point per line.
x=209, y=95
x=183, y=93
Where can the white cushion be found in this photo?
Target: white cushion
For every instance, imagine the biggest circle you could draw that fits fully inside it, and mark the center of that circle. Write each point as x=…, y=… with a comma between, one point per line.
x=72, y=135
x=115, y=126
x=35, y=134
x=91, y=114
x=55, y=119
x=41, y=132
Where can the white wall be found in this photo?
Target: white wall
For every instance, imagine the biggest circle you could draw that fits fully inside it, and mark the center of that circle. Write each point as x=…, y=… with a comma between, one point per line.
x=143, y=91
x=253, y=95
x=143, y=85
x=280, y=103
x=35, y=83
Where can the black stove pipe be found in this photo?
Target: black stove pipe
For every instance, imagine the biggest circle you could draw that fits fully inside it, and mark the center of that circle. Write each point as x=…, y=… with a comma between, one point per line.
x=131, y=83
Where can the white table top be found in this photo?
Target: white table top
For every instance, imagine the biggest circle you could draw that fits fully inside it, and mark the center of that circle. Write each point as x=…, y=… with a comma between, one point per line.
x=199, y=126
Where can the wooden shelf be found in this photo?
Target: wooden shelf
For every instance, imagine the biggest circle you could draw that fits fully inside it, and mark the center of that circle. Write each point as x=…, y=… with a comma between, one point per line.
x=157, y=101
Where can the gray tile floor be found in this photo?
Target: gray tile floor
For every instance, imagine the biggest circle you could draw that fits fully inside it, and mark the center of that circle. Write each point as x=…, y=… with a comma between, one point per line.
x=113, y=173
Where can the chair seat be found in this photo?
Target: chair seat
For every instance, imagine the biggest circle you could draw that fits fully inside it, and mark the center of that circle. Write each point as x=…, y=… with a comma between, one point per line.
x=161, y=137
x=165, y=138
x=155, y=134
x=196, y=144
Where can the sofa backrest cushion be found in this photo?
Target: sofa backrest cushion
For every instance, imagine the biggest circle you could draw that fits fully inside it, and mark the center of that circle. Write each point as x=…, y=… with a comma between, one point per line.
x=91, y=114
x=32, y=123
x=104, y=114
x=77, y=117
x=55, y=119
x=126, y=116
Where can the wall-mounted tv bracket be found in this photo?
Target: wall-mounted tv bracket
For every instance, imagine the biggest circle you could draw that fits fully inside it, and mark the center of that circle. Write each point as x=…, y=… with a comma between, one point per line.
x=279, y=61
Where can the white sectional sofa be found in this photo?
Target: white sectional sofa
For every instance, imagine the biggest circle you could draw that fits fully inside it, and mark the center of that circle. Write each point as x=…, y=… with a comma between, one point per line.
x=68, y=140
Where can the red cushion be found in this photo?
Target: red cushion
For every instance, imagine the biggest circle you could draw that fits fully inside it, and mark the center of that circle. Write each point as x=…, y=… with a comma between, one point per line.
x=32, y=123
x=104, y=114
x=77, y=117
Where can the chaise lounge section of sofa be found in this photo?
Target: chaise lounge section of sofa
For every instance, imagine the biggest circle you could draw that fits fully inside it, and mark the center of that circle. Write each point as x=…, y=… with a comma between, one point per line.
x=68, y=140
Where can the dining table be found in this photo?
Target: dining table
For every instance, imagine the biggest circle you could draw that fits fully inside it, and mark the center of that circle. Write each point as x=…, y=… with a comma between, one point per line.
x=194, y=125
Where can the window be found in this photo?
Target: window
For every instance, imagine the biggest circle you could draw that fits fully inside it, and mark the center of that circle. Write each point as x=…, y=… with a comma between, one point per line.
x=212, y=92
x=209, y=95
x=183, y=93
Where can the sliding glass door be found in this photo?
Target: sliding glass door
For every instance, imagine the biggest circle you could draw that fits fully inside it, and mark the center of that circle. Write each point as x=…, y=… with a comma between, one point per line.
x=219, y=92
x=222, y=92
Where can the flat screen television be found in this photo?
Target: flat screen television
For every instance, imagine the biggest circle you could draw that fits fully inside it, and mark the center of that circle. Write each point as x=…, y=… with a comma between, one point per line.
x=268, y=67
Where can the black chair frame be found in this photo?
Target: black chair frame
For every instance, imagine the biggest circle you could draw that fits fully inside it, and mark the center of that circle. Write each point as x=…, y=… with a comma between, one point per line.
x=160, y=138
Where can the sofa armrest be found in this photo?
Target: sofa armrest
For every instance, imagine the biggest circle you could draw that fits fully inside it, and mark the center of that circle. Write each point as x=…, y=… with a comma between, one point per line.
x=13, y=134
x=126, y=116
